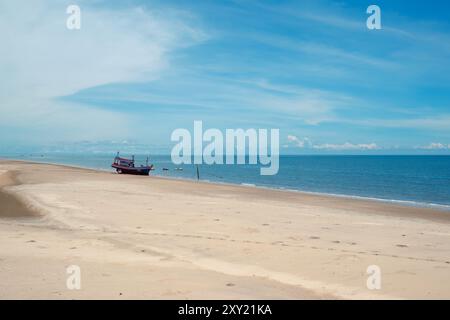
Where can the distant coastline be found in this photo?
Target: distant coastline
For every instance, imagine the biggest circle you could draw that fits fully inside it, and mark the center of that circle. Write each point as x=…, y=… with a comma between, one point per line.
x=157, y=173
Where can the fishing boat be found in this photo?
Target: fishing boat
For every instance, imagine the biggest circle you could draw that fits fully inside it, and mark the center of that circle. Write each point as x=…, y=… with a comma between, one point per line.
x=127, y=166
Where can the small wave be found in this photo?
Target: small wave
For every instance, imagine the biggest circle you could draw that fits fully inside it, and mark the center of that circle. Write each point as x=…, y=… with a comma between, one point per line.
x=409, y=203
x=248, y=184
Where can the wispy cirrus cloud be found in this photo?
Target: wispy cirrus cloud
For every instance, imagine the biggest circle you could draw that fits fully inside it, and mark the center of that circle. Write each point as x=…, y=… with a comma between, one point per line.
x=140, y=68
x=425, y=122
x=43, y=60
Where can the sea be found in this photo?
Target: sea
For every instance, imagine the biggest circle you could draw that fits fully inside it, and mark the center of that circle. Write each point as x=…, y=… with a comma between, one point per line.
x=422, y=181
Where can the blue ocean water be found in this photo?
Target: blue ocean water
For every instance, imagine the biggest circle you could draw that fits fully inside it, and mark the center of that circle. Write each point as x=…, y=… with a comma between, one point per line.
x=412, y=180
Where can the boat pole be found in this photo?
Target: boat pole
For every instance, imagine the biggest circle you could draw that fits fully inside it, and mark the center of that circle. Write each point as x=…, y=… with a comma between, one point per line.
x=198, y=173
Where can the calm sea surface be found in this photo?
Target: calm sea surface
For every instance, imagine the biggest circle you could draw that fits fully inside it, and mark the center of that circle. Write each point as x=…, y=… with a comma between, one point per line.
x=412, y=180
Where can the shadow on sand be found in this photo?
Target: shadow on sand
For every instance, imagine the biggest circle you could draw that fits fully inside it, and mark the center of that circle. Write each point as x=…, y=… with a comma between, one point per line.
x=11, y=206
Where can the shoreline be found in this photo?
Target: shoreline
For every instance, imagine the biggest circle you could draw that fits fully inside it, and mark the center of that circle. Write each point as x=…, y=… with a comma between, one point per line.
x=402, y=203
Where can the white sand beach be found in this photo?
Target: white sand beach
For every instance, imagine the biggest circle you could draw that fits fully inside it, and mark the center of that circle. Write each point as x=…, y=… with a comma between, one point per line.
x=155, y=238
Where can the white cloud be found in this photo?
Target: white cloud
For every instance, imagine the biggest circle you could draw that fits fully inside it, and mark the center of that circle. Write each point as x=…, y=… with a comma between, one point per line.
x=435, y=146
x=301, y=143
x=347, y=146
x=312, y=106
x=306, y=143
x=42, y=60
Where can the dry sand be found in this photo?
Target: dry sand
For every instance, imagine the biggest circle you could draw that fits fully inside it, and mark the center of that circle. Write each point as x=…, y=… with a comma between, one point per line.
x=154, y=238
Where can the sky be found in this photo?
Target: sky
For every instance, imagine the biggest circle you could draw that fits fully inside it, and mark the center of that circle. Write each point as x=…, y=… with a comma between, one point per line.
x=137, y=70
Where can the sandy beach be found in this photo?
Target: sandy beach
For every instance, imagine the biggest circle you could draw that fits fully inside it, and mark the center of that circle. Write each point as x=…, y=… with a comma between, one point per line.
x=155, y=238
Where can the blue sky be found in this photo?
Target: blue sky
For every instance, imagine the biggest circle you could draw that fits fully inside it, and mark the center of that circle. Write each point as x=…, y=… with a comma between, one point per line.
x=137, y=70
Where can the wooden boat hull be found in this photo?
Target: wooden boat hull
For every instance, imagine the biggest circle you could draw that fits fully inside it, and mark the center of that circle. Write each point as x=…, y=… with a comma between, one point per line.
x=141, y=171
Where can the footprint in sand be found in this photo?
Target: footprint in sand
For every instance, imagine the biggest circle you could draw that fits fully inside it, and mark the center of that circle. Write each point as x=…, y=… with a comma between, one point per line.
x=336, y=241
x=314, y=237
x=402, y=246
x=277, y=242
x=230, y=284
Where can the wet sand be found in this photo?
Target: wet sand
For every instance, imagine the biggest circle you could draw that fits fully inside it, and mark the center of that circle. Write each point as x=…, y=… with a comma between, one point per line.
x=154, y=238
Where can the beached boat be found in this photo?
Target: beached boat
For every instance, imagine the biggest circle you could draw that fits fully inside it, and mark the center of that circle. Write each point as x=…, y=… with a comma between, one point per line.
x=127, y=166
